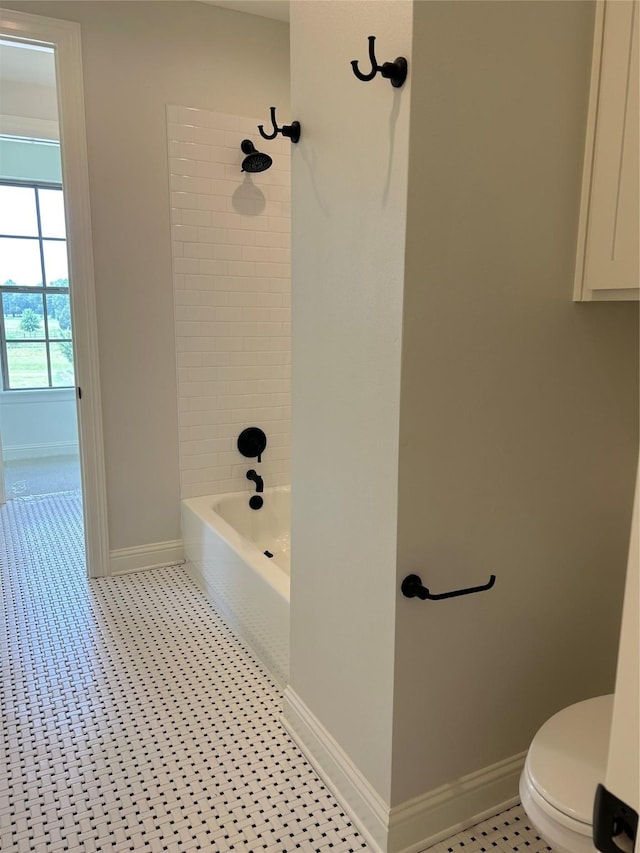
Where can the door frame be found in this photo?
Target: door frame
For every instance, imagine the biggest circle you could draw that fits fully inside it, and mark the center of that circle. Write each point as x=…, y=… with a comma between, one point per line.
x=64, y=37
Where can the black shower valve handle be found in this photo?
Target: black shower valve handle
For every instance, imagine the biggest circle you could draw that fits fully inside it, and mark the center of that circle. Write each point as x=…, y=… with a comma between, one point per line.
x=251, y=443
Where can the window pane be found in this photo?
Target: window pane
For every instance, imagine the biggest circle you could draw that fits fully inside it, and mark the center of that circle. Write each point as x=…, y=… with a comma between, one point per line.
x=27, y=365
x=20, y=262
x=52, y=213
x=23, y=315
x=18, y=211
x=13, y=304
x=59, y=315
x=55, y=263
x=62, y=364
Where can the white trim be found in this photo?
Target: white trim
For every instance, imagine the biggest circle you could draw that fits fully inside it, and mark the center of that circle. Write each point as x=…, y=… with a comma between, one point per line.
x=454, y=807
x=22, y=397
x=125, y=560
x=418, y=823
x=16, y=452
x=365, y=806
x=64, y=36
x=633, y=293
x=580, y=292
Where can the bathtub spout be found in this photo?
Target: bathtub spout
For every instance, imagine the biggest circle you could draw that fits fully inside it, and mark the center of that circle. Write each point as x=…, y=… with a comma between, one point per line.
x=257, y=479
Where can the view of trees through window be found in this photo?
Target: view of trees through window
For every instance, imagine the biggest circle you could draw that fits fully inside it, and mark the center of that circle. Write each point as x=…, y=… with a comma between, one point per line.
x=36, y=346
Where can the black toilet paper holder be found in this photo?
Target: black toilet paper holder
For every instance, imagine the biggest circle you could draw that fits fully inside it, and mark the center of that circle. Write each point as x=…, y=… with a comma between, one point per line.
x=412, y=587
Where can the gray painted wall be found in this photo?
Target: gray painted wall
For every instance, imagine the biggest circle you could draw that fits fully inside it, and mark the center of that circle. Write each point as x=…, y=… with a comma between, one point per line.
x=519, y=408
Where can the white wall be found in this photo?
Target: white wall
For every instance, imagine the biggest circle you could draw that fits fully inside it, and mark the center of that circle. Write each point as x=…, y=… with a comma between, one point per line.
x=137, y=58
x=231, y=261
x=349, y=185
x=38, y=423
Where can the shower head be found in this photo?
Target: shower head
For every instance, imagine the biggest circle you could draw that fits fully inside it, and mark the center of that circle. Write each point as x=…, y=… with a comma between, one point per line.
x=254, y=161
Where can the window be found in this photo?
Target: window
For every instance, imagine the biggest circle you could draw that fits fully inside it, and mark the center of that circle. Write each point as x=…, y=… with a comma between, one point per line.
x=35, y=320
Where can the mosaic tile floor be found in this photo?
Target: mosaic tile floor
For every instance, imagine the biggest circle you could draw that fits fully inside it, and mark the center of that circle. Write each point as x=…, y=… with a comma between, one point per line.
x=506, y=832
x=133, y=720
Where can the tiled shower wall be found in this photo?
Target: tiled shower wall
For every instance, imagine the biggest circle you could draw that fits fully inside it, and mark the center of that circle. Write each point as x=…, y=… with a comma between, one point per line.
x=231, y=276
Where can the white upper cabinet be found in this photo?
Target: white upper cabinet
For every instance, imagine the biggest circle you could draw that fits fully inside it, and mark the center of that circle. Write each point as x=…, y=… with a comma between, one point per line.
x=608, y=251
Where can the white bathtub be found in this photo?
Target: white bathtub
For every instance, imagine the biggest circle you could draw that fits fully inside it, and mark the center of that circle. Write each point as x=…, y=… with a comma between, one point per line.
x=224, y=542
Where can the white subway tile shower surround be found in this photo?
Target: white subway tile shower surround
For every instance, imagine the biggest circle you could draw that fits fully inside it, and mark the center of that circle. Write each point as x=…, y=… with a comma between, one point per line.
x=231, y=274
x=134, y=720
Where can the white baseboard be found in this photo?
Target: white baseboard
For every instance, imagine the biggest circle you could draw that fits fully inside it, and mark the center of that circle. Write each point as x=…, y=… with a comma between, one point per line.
x=16, y=452
x=412, y=826
x=366, y=808
x=125, y=560
x=419, y=823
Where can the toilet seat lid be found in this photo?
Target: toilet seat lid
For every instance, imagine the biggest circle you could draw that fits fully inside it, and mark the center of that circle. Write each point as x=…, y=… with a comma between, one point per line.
x=568, y=756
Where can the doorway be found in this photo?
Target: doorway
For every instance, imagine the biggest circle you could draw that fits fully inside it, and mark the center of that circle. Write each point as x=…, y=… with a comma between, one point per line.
x=50, y=416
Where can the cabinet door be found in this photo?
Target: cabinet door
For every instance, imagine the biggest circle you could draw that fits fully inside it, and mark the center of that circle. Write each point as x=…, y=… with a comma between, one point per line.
x=608, y=245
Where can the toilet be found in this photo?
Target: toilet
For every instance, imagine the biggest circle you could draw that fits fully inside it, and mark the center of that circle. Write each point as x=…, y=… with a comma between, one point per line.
x=566, y=761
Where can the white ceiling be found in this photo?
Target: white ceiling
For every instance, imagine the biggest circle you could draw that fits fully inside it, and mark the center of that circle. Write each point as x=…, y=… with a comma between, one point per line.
x=278, y=9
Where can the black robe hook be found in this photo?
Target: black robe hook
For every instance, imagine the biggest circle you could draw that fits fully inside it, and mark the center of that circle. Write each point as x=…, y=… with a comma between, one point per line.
x=395, y=71
x=291, y=131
